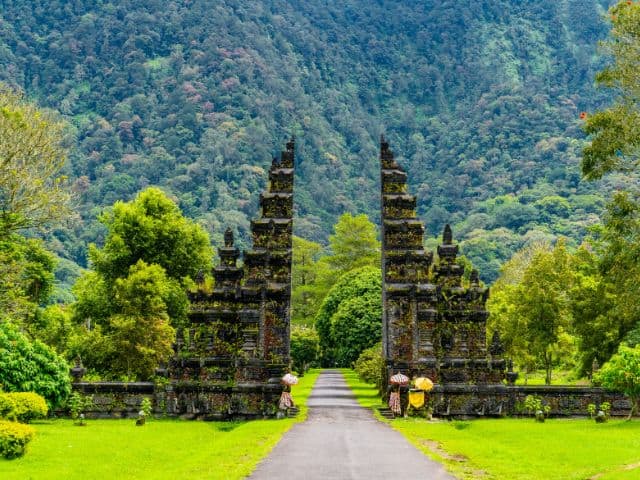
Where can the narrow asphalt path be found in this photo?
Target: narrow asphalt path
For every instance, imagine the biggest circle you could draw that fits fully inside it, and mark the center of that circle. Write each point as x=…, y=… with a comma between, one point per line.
x=340, y=440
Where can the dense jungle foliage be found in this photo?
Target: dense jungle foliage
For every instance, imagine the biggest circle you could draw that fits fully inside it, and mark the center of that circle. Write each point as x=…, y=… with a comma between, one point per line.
x=480, y=100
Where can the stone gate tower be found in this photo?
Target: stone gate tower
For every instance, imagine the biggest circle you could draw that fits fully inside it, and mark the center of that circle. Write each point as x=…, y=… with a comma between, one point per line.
x=433, y=324
x=229, y=359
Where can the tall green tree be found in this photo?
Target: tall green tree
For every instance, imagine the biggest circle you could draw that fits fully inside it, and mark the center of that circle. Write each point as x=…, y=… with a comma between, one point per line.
x=140, y=334
x=615, y=131
x=151, y=228
x=26, y=279
x=305, y=293
x=353, y=245
x=304, y=347
x=592, y=300
x=531, y=309
x=128, y=304
x=33, y=191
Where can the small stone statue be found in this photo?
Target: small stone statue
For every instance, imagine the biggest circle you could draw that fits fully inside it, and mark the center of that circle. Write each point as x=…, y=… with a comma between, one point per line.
x=447, y=235
x=142, y=418
x=228, y=238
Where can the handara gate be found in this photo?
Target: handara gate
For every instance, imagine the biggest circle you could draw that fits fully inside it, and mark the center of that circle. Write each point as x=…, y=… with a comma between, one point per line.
x=229, y=360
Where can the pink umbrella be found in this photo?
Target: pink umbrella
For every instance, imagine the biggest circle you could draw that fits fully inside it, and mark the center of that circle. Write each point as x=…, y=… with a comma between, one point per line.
x=399, y=379
x=289, y=379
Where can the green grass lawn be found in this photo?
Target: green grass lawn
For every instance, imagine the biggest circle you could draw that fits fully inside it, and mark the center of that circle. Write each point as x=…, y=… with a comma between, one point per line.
x=521, y=449
x=162, y=449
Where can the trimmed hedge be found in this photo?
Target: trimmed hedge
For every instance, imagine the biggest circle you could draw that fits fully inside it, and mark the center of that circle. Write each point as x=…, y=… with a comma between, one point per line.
x=27, y=406
x=14, y=438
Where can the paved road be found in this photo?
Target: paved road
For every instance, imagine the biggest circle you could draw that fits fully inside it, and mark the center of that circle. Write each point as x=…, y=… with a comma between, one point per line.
x=341, y=440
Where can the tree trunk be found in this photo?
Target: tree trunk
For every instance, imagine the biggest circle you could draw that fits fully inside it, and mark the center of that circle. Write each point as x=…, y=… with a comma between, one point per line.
x=634, y=407
x=547, y=365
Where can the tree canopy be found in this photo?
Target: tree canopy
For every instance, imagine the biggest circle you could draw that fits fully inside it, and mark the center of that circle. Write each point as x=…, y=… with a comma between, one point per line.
x=615, y=131
x=33, y=190
x=350, y=318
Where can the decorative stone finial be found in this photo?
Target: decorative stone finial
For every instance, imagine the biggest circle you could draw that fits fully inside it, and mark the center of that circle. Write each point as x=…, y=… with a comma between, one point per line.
x=447, y=235
x=474, y=278
x=291, y=143
x=496, y=347
x=199, y=277
x=384, y=145
x=78, y=371
x=228, y=237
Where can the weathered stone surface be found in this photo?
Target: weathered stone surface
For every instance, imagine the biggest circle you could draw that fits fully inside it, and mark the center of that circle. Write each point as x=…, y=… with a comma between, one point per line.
x=432, y=325
x=229, y=359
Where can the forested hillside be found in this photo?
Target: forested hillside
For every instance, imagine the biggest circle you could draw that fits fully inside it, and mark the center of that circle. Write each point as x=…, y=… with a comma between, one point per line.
x=481, y=100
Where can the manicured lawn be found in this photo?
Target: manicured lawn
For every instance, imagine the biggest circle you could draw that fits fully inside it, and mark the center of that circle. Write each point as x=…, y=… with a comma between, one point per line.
x=162, y=449
x=521, y=449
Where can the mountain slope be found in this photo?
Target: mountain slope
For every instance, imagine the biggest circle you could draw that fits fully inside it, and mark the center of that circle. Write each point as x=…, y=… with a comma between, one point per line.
x=481, y=102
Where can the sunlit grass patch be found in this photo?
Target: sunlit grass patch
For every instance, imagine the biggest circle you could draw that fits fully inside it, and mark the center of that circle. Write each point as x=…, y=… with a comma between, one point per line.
x=162, y=449
x=521, y=449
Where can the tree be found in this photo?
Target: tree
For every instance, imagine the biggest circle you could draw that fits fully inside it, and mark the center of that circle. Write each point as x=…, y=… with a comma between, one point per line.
x=622, y=373
x=354, y=244
x=530, y=307
x=592, y=301
x=356, y=326
x=136, y=335
x=305, y=292
x=26, y=279
x=350, y=318
x=33, y=189
x=304, y=347
x=619, y=272
x=31, y=366
x=140, y=334
x=615, y=131
x=151, y=228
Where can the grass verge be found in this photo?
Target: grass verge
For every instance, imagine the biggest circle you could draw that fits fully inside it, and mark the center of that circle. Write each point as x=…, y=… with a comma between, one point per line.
x=162, y=449
x=521, y=449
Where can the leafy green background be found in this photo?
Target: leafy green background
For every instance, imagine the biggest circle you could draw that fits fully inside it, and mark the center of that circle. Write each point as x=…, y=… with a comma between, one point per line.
x=479, y=99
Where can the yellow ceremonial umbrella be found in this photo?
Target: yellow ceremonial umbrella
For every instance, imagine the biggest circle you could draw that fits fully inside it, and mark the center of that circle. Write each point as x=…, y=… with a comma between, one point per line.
x=423, y=383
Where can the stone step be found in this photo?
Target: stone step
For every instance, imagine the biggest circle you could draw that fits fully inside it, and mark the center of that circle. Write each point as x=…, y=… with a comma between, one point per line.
x=293, y=412
x=386, y=413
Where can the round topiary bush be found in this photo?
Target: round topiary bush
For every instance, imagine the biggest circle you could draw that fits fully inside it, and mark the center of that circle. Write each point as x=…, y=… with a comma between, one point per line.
x=14, y=438
x=28, y=406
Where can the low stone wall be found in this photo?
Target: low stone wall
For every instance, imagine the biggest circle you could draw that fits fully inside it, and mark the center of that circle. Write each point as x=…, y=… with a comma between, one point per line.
x=463, y=401
x=194, y=400
x=116, y=399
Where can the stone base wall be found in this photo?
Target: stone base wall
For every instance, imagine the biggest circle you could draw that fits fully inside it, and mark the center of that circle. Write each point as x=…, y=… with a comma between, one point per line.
x=192, y=400
x=468, y=401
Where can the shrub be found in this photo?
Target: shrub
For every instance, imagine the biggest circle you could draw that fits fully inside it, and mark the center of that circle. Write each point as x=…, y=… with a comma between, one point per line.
x=14, y=438
x=622, y=373
x=77, y=404
x=32, y=367
x=533, y=405
x=7, y=407
x=370, y=366
x=304, y=347
x=28, y=406
x=146, y=406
